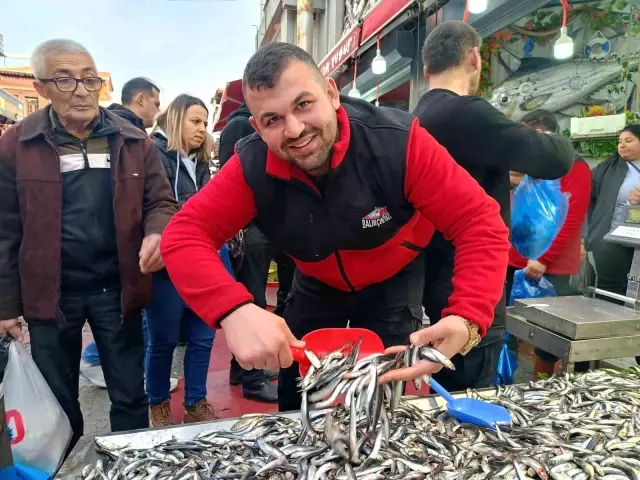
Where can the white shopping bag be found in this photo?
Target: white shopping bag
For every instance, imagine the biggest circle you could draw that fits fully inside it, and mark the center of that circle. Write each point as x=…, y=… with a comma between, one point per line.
x=39, y=429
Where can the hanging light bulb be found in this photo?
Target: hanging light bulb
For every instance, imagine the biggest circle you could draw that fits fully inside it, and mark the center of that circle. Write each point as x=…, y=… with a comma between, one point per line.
x=378, y=64
x=476, y=6
x=354, y=92
x=563, y=47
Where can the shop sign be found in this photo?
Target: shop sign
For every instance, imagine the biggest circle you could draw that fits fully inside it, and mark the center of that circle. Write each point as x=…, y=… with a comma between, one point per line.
x=343, y=50
x=381, y=15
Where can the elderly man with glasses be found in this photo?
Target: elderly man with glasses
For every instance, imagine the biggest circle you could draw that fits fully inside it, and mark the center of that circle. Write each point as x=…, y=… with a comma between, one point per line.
x=83, y=201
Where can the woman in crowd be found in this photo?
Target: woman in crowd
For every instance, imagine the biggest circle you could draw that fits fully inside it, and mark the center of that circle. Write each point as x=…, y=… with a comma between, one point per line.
x=185, y=149
x=616, y=183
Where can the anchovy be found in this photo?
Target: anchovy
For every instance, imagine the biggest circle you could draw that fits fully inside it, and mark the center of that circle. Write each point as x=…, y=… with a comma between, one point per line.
x=576, y=427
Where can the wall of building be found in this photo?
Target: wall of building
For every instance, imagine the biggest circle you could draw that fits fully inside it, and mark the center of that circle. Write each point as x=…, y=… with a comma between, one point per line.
x=22, y=89
x=278, y=24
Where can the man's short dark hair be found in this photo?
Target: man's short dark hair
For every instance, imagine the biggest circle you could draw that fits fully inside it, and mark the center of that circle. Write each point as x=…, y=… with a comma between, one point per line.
x=134, y=87
x=447, y=45
x=542, y=119
x=264, y=68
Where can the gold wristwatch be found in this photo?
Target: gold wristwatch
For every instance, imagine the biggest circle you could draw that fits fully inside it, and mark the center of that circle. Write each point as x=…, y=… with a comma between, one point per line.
x=474, y=336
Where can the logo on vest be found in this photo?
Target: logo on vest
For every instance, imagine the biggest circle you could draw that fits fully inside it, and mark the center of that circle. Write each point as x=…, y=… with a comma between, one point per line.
x=377, y=217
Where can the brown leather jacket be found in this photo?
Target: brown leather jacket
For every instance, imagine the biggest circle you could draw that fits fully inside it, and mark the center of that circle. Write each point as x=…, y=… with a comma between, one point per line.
x=31, y=216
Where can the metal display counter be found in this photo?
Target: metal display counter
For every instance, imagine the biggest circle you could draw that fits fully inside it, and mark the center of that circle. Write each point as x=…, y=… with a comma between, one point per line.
x=84, y=452
x=576, y=329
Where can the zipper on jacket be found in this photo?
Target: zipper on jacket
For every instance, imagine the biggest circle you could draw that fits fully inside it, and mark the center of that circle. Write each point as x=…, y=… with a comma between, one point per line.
x=83, y=147
x=343, y=272
x=411, y=246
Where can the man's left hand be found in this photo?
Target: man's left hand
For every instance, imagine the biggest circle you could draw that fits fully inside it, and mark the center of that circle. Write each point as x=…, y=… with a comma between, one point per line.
x=449, y=336
x=150, y=257
x=534, y=269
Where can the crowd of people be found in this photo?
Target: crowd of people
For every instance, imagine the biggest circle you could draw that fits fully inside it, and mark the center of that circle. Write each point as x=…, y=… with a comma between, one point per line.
x=373, y=215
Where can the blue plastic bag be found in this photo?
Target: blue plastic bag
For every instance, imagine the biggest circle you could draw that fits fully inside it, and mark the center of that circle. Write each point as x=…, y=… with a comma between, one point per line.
x=507, y=364
x=538, y=211
x=525, y=287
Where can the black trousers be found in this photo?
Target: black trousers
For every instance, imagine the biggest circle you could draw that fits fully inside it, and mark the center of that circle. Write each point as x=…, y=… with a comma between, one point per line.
x=253, y=274
x=613, y=263
x=477, y=369
x=391, y=308
x=56, y=350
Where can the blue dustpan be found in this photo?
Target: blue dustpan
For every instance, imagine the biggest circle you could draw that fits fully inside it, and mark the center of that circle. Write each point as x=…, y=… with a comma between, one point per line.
x=470, y=410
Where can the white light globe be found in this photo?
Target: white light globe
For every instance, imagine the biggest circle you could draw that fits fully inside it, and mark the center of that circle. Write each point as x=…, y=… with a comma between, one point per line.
x=379, y=63
x=477, y=6
x=354, y=92
x=563, y=47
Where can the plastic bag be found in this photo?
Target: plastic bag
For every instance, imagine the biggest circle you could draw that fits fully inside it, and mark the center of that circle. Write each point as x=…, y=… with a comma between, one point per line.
x=525, y=287
x=507, y=364
x=39, y=429
x=538, y=211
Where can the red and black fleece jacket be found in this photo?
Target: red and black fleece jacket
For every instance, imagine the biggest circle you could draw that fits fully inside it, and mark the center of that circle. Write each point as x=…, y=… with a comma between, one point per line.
x=391, y=185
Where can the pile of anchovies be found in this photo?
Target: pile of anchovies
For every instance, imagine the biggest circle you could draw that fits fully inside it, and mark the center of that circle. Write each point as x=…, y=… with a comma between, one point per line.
x=574, y=427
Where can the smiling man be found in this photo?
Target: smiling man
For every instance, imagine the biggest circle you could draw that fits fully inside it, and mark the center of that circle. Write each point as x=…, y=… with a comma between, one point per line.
x=83, y=200
x=352, y=193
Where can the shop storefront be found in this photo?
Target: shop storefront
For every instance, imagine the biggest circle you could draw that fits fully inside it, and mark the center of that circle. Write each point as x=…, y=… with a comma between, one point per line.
x=398, y=28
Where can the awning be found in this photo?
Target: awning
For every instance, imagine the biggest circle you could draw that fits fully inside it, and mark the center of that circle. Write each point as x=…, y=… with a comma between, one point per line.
x=231, y=100
x=378, y=18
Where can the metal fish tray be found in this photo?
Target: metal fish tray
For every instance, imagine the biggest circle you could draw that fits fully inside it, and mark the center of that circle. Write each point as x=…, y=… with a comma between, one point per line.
x=84, y=452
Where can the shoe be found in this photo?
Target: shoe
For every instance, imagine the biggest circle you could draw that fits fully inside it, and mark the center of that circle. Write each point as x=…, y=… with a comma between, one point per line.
x=94, y=375
x=200, y=412
x=265, y=392
x=271, y=374
x=160, y=415
x=235, y=376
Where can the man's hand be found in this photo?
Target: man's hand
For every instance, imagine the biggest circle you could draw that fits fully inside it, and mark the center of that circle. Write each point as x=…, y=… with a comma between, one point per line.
x=259, y=339
x=515, y=178
x=583, y=253
x=150, y=257
x=634, y=196
x=534, y=269
x=449, y=336
x=11, y=327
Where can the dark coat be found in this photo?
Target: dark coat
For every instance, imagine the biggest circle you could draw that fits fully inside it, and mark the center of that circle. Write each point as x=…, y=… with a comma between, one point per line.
x=185, y=188
x=31, y=215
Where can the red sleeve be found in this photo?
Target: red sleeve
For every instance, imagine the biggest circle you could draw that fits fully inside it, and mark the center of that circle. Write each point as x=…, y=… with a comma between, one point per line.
x=577, y=183
x=458, y=207
x=191, y=241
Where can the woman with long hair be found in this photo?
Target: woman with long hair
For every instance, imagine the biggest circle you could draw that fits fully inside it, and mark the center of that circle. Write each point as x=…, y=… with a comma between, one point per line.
x=185, y=149
x=616, y=183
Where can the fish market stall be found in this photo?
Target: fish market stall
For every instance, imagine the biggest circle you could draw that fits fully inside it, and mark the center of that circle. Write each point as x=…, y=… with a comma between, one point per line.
x=576, y=329
x=575, y=427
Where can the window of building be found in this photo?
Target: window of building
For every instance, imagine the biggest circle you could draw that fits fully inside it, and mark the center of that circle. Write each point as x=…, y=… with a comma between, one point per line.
x=31, y=104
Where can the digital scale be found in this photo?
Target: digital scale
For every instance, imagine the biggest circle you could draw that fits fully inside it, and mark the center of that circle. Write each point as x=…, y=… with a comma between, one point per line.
x=628, y=233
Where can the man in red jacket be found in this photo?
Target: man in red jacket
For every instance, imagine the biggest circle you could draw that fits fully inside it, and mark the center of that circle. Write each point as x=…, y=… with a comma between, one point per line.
x=563, y=257
x=353, y=193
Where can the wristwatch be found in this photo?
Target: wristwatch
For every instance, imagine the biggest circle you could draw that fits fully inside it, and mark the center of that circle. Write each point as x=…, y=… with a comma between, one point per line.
x=474, y=336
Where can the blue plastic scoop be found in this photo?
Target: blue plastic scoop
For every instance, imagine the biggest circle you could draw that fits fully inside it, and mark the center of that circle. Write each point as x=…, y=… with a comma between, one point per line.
x=470, y=410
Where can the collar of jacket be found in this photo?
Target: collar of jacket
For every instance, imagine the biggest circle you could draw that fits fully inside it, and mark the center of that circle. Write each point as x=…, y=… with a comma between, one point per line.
x=37, y=124
x=282, y=169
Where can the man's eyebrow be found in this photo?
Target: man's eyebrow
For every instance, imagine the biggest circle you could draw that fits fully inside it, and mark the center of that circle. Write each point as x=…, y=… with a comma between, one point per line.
x=69, y=73
x=296, y=100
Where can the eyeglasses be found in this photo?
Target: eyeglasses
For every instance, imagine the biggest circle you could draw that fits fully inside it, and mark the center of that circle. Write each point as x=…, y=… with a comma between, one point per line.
x=69, y=84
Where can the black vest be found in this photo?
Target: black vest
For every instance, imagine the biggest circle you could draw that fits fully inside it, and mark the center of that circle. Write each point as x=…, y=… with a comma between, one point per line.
x=363, y=208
